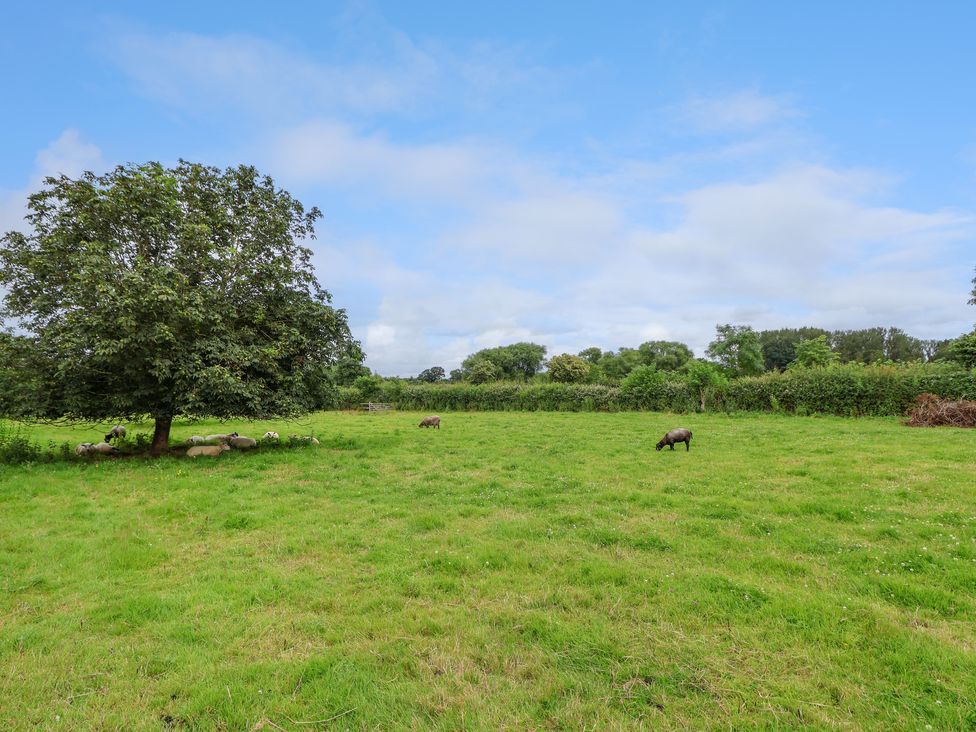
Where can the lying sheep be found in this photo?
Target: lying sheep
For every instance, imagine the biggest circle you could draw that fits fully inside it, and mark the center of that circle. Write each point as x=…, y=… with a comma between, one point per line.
x=679, y=435
x=89, y=448
x=219, y=438
x=242, y=443
x=303, y=439
x=195, y=440
x=270, y=436
x=206, y=450
x=432, y=421
x=118, y=431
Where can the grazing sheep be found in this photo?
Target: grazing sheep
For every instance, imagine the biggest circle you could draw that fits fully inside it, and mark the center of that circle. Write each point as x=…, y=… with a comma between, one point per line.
x=195, y=440
x=432, y=421
x=220, y=438
x=679, y=435
x=270, y=435
x=85, y=448
x=118, y=431
x=243, y=443
x=303, y=439
x=207, y=450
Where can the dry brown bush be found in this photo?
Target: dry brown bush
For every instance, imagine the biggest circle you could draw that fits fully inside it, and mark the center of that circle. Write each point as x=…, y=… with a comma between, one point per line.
x=931, y=410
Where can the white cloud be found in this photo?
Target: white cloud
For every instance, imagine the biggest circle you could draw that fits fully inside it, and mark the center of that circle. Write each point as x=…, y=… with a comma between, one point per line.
x=739, y=111
x=200, y=73
x=69, y=154
x=567, y=251
x=805, y=246
x=332, y=153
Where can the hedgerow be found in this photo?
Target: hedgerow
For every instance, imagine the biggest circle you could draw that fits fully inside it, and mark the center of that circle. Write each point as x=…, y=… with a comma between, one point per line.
x=848, y=389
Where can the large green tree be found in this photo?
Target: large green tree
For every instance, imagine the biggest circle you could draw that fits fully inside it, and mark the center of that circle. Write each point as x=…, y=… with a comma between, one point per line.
x=737, y=348
x=169, y=292
x=568, y=369
x=515, y=361
x=665, y=355
x=779, y=345
x=814, y=352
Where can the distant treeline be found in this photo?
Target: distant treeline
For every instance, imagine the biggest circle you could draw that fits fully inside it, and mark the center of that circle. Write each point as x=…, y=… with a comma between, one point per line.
x=737, y=349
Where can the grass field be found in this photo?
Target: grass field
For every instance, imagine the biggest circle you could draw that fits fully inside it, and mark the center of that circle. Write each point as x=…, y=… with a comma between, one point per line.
x=512, y=570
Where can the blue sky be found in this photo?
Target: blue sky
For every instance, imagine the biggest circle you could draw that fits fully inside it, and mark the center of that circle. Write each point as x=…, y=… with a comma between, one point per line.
x=574, y=174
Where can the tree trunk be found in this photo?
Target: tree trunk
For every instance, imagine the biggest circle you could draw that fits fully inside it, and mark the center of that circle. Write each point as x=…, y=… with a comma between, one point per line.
x=160, y=439
x=701, y=396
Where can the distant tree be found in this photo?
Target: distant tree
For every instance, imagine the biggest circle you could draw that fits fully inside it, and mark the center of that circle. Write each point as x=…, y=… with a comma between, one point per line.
x=456, y=375
x=935, y=349
x=431, y=375
x=737, y=348
x=703, y=377
x=899, y=346
x=516, y=361
x=963, y=350
x=618, y=365
x=568, y=369
x=481, y=372
x=665, y=355
x=590, y=355
x=972, y=298
x=863, y=346
x=171, y=292
x=779, y=345
x=814, y=352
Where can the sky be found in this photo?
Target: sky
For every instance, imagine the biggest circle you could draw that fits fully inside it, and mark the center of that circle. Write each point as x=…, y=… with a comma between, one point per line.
x=572, y=174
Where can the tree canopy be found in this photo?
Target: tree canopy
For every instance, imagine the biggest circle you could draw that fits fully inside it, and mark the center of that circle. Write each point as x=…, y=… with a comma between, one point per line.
x=568, y=369
x=167, y=292
x=516, y=361
x=737, y=348
x=431, y=375
x=814, y=352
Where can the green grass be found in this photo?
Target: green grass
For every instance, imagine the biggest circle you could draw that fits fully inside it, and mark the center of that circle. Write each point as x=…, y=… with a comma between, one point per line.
x=511, y=570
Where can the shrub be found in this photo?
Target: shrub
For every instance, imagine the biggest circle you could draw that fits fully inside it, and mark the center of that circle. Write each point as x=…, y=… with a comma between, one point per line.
x=16, y=447
x=568, y=369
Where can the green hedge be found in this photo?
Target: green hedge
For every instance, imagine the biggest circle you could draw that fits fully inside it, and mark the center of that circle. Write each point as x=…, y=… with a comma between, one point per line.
x=849, y=389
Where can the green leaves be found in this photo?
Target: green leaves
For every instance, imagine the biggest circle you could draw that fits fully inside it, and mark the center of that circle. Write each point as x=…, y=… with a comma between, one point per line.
x=169, y=291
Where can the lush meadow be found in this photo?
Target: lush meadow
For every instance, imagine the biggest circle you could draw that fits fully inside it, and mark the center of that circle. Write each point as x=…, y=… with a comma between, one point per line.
x=511, y=570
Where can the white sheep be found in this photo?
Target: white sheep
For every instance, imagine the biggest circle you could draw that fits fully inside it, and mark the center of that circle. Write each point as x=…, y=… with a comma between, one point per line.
x=118, y=431
x=85, y=448
x=242, y=443
x=270, y=436
x=207, y=450
x=220, y=438
x=303, y=439
x=104, y=448
x=195, y=440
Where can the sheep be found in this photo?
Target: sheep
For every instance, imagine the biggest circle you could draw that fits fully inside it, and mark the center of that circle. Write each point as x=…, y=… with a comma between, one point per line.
x=270, y=436
x=207, y=450
x=303, y=439
x=195, y=440
x=89, y=448
x=677, y=435
x=219, y=438
x=243, y=443
x=118, y=431
x=432, y=421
